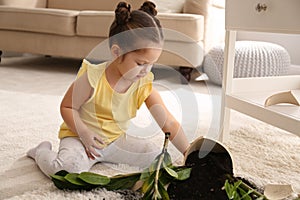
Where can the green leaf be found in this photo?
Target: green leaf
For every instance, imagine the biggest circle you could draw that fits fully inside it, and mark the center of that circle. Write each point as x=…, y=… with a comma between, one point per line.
x=163, y=192
x=229, y=190
x=237, y=184
x=154, y=164
x=73, y=178
x=171, y=172
x=148, y=195
x=183, y=173
x=145, y=175
x=236, y=196
x=167, y=159
x=148, y=184
x=165, y=178
x=245, y=195
x=62, y=173
x=62, y=184
x=59, y=182
x=94, y=179
x=122, y=182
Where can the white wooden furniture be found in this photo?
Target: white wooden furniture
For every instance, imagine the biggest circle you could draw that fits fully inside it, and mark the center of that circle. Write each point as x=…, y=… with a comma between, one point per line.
x=247, y=95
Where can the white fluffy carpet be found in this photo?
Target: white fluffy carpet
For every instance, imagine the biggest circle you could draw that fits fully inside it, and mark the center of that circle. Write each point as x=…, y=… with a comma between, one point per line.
x=261, y=153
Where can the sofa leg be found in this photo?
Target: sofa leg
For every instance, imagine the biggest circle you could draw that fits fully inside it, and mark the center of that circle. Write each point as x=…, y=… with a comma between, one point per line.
x=0, y=55
x=185, y=74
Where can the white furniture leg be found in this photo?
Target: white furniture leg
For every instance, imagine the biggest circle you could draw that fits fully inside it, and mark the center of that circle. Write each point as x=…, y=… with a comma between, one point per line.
x=227, y=82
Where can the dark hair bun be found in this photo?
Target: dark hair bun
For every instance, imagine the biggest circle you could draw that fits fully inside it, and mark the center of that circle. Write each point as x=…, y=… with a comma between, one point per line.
x=122, y=13
x=149, y=7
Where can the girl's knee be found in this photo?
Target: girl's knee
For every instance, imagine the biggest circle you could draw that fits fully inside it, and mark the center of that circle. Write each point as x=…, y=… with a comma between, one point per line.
x=75, y=164
x=72, y=156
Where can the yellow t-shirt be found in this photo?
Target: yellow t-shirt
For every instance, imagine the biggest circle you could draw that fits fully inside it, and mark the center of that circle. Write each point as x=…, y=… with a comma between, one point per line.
x=108, y=112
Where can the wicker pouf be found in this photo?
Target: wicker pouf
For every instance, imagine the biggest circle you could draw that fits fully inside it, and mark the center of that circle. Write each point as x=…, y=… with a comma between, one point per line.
x=252, y=59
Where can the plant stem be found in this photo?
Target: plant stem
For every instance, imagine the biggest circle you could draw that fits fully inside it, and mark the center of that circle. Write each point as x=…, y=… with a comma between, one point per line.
x=161, y=158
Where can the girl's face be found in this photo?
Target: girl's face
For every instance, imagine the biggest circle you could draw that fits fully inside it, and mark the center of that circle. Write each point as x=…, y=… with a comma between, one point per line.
x=135, y=65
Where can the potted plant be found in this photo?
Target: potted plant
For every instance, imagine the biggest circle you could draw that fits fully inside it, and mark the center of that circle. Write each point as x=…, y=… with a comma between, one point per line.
x=207, y=174
x=211, y=175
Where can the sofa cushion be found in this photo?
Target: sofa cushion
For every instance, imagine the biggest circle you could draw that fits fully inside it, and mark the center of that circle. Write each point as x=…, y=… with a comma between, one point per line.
x=24, y=3
x=94, y=23
x=202, y=6
x=107, y=5
x=61, y=22
x=169, y=6
x=190, y=25
x=197, y=6
x=214, y=19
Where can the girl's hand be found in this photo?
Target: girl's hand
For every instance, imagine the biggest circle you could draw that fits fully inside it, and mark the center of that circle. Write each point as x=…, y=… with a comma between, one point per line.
x=78, y=93
x=91, y=142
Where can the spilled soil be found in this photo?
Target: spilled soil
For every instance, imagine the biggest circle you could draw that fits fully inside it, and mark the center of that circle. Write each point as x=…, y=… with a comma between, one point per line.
x=207, y=178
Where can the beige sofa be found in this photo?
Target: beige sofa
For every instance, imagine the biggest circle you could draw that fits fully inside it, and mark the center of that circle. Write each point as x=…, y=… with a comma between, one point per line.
x=73, y=28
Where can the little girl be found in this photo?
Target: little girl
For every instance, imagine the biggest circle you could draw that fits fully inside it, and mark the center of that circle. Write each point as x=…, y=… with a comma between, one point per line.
x=99, y=104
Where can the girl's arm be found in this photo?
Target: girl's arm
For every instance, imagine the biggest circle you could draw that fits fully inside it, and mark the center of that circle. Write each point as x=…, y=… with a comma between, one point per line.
x=78, y=93
x=166, y=121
